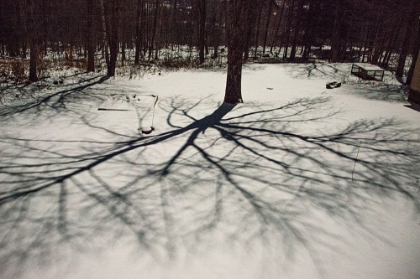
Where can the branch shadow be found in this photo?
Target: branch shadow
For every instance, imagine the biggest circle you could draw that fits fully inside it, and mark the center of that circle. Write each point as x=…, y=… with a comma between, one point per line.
x=319, y=70
x=56, y=100
x=248, y=174
x=381, y=92
x=372, y=90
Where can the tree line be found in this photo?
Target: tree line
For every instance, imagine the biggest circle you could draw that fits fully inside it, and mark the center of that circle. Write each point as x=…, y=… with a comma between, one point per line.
x=382, y=32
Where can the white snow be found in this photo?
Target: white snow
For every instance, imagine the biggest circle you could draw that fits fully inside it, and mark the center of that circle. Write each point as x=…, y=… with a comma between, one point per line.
x=297, y=182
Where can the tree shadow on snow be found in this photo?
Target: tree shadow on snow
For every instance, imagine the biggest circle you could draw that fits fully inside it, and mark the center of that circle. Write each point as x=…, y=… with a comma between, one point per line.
x=56, y=100
x=373, y=90
x=319, y=70
x=248, y=174
x=380, y=91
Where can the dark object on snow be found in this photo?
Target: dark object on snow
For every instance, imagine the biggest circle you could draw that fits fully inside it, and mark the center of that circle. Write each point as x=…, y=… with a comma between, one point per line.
x=367, y=71
x=113, y=109
x=414, y=96
x=414, y=93
x=61, y=81
x=147, y=131
x=55, y=82
x=333, y=84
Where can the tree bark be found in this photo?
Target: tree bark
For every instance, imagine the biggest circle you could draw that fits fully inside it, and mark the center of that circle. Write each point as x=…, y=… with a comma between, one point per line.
x=307, y=39
x=202, y=29
x=267, y=25
x=91, y=46
x=415, y=56
x=239, y=16
x=336, y=44
x=33, y=56
x=404, y=48
x=138, y=32
x=154, y=31
x=247, y=43
x=33, y=41
x=213, y=29
x=104, y=32
x=257, y=32
x=288, y=26
x=276, y=32
x=113, y=30
x=296, y=31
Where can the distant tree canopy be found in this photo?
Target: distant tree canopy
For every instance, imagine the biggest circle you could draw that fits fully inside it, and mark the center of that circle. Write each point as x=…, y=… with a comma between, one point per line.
x=382, y=32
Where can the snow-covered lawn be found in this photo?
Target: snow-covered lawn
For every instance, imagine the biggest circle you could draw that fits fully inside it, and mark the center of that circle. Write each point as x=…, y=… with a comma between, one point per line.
x=297, y=182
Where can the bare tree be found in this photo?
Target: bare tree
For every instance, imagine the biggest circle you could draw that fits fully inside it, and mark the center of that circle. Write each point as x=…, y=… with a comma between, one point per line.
x=202, y=28
x=154, y=30
x=139, y=13
x=33, y=31
x=296, y=30
x=240, y=16
x=90, y=37
x=267, y=25
x=113, y=27
x=104, y=31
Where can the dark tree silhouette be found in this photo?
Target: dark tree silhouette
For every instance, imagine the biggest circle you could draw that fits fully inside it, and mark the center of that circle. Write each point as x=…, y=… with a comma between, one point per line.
x=113, y=9
x=90, y=36
x=32, y=10
x=239, y=14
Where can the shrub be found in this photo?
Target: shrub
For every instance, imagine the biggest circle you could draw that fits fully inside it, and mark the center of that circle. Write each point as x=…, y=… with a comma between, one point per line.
x=17, y=69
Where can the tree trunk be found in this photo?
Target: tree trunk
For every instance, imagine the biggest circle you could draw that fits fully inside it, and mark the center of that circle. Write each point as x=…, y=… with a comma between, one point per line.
x=33, y=56
x=404, y=48
x=104, y=32
x=247, y=43
x=239, y=15
x=123, y=45
x=267, y=25
x=391, y=45
x=202, y=29
x=276, y=33
x=296, y=31
x=257, y=33
x=91, y=45
x=289, y=25
x=154, y=31
x=214, y=30
x=336, y=44
x=307, y=39
x=415, y=56
x=113, y=30
x=138, y=32
x=34, y=40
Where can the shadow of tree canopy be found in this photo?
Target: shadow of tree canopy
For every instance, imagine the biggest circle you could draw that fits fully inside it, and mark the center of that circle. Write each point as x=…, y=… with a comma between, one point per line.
x=382, y=92
x=319, y=70
x=56, y=100
x=372, y=90
x=243, y=173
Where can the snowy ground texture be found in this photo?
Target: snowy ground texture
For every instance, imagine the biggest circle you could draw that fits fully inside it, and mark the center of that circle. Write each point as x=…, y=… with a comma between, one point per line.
x=297, y=182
